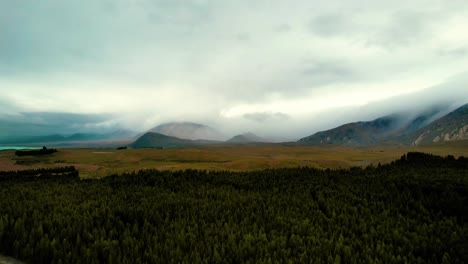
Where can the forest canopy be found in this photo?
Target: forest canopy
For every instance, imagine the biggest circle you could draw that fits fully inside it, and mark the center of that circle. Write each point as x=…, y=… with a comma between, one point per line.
x=413, y=210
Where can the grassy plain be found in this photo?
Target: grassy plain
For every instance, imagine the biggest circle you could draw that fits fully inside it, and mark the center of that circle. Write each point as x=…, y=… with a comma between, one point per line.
x=97, y=163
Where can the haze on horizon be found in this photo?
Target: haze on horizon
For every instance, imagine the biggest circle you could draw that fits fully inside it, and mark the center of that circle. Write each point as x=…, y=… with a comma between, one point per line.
x=280, y=69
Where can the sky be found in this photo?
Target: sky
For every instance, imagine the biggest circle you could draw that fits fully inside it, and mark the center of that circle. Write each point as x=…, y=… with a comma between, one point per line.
x=281, y=69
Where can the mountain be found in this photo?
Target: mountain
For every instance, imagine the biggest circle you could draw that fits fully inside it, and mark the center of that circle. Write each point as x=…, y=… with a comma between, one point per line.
x=358, y=133
x=158, y=140
x=115, y=135
x=246, y=138
x=188, y=130
x=121, y=134
x=84, y=137
x=33, y=139
x=390, y=129
x=451, y=127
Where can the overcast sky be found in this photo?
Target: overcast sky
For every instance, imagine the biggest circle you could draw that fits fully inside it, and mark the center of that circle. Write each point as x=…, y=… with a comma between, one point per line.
x=276, y=68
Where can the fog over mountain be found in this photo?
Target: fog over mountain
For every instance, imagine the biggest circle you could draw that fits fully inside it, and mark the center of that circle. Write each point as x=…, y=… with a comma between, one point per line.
x=188, y=130
x=431, y=126
x=283, y=70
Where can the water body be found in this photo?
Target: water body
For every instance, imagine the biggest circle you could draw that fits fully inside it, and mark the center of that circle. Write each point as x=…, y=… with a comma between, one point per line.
x=16, y=147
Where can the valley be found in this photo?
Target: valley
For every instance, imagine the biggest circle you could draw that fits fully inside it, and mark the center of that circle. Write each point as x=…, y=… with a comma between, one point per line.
x=98, y=163
x=233, y=132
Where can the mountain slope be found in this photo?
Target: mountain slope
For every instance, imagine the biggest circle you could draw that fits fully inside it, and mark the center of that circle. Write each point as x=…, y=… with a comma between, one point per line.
x=188, y=130
x=246, y=138
x=451, y=127
x=157, y=140
x=398, y=129
x=358, y=133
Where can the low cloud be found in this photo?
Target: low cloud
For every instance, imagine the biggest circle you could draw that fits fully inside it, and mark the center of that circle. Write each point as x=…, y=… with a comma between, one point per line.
x=283, y=28
x=266, y=116
x=458, y=52
x=331, y=25
x=322, y=73
x=389, y=29
x=40, y=124
x=153, y=61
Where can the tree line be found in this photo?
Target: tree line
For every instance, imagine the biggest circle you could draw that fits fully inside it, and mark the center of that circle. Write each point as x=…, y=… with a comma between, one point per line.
x=68, y=172
x=35, y=152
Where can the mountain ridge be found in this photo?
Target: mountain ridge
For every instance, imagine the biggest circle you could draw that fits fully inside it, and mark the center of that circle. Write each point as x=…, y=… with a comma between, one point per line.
x=76, y=137
x=393, y=129
x=451, y=127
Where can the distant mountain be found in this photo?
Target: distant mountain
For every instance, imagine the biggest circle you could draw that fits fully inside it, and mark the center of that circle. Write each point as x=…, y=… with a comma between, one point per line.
x=116, y=135
x=84, y=137
x=246, y=138
x=32, y=139
x=392, y=129
x=451, y=127
x=157, y=140
x=188, y=130
x=121, y=134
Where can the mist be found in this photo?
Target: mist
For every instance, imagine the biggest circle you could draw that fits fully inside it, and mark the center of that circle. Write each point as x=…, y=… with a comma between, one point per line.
x=280, y=70
x=275, y=126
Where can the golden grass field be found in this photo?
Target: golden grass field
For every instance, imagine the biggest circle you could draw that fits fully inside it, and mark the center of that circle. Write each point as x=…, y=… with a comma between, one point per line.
x=97, y=163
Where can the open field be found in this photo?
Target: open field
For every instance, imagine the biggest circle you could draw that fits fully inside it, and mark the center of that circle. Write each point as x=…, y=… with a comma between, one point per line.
x=97, y=163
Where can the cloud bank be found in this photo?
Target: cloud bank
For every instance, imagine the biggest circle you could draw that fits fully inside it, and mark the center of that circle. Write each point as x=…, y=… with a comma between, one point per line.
x=278, y=69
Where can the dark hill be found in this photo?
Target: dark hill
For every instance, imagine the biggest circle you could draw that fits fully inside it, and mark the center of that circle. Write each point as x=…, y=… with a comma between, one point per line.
x=357, y=134
x=157, y=140
x=246, y=138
